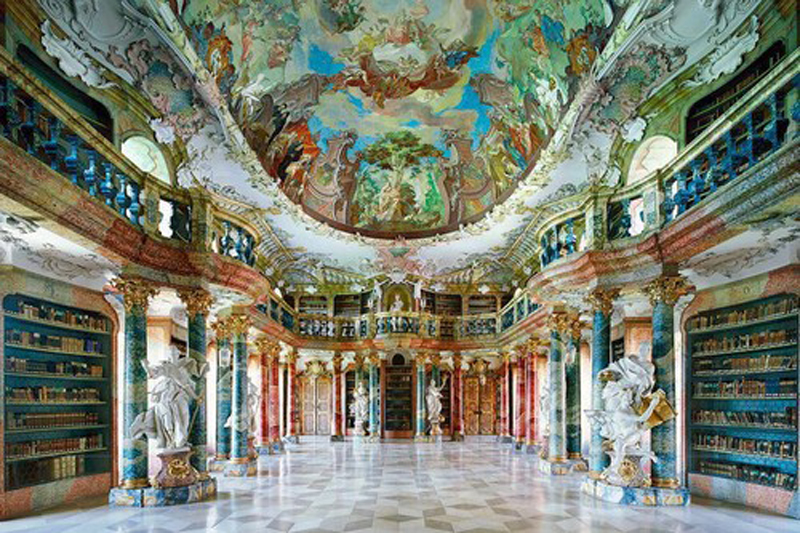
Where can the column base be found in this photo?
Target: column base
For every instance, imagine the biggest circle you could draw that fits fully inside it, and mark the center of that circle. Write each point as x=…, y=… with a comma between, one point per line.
x=532, y=449
x=519, y=446
x=277, y=447
x=420, y=438
x=637, y=496
x=217, y=464
x=579, y=464
x=457, y=437
x=555, y=467
x=203, y=489
x=291, y=439
x=337, y=438
x=247, y=467
x=264, y=449
x=505, y=439
x=375, y=439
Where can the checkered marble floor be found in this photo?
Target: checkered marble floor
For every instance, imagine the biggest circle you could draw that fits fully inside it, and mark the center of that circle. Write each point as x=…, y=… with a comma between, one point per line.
x=400, y=486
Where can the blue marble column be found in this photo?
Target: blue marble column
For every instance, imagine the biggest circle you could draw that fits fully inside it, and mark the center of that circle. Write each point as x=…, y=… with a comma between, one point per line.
x=602, y=305
x=239, y=430
x=419, y=361
x=573, y=394
x=198, y=302
x=134, y=451
x=374, y=398
x=664, y=293
x=557, y=445
x=223, y=448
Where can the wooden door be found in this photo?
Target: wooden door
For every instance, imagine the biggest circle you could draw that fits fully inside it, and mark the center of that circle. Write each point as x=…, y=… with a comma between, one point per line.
x=472, y=415
x=323, y=406
x=488, y=407
x=309, y=404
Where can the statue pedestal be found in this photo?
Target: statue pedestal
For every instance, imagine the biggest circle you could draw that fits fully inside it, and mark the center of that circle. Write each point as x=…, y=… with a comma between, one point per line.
x=176, y=471
x=639, y=496
x=199, y=491
x=241, y=467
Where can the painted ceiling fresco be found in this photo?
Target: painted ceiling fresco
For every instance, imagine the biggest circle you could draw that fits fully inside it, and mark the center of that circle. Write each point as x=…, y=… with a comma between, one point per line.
x=397, y=117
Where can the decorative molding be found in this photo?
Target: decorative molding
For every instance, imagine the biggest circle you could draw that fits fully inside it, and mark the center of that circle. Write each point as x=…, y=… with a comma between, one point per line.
x=135, y=292
x=198, y=301
x=239, y=324
x=667, y=289
x=72, y=60
x=727, y=56
x=602, y=300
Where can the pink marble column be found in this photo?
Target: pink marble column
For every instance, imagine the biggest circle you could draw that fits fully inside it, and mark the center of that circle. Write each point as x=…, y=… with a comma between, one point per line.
x=264, y=347
x=505, y=397
x=456, y=414
x=274, y=403
x=336, y=400
x=519, y=412
x=291, y=391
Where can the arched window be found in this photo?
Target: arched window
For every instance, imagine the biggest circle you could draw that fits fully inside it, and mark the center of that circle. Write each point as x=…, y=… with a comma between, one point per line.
x=654, y=153
x=147, y=157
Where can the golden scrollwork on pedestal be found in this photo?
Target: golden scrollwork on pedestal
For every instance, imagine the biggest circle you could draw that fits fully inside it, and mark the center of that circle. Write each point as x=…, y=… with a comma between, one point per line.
x=667, y=289
x=198, y=301
x=602, y=300
x=135, y=292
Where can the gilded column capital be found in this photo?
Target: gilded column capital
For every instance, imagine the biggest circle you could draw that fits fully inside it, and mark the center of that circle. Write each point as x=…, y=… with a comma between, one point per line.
x=602, y=300
x=559, y=321
x=239, y=324
x=506, y=356
x=135, y=292
x=436, y=359
x=456, y=360
x=337, y=362
x=291, y=357
x=421, y=357
x=197, y=301
x=521, y=350
x=267, y=347
x=221, y=328
x=374, y=359
x=667, y=289
x=358, y=361
x=534, y=345
x=574, y=326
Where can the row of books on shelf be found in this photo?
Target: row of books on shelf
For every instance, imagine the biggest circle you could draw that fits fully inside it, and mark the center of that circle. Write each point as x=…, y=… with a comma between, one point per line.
x=774, y=448
x=778, y=419
x=52, y=394
x=763, y=362
x=68, y=368
x=745, y=341
x=746, y=387
x=44, y=470
x=34, y=339
x=50, y=420
x=17, y=450
x=763, y=475
x=62, y=316
x=740, y=316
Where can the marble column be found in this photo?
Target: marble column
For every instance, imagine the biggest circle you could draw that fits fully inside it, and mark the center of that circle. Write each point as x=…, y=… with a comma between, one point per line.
x=241, y=462
x=456, y=414
x=198, y=302
x=519, y=411
x=664, y=293
x=374, y=398
x=573, y=393
x=533, y=346
x=136, y=294
x=263, y=346
x=275, y=401
x=420, y=361
x=601, y=301
x=291, y=393
x=556, y=462
x=336, y=400
x=436, y=380
x=505, y=398
x=223, y=440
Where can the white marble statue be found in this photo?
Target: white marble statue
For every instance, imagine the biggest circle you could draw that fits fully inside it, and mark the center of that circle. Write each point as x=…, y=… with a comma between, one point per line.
x=168, y=420
x=628, y=403
x=360, y=408
x=433, y=402
x=398, y=304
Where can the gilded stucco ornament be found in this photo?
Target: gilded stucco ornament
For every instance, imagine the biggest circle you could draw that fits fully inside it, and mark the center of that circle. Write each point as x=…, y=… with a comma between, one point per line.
x=667, y=289
x=135, y=292
x=239, y=324
x=602, y=299
x=198, y=301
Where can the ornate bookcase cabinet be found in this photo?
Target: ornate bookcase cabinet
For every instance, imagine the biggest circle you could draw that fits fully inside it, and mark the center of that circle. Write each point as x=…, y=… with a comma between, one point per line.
x=399, y=404
x=742, y=400
x=57, y=369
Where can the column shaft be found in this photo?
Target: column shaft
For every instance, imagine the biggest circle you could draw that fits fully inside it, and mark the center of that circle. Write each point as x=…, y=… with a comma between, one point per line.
x=224, y=381
x=456, y=416
x=519, y=414
x=374, y=399
x=557, y=446
x=573, y=393
x=291, y=384
x=197, y=351
x=336, y=399
x=505, y=396
x=420, y=418
x=135, y=453
x=263, y=407
x=601, y=358
x=274, y=404
x=239, y=429
x=663, y=437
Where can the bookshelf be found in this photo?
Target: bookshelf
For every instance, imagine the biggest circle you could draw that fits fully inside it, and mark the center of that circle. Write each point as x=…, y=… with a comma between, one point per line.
x=479, y=305
x=347, y=305
x=742, y=377
x=313, y=305
x=399, y=401
x=57, y=368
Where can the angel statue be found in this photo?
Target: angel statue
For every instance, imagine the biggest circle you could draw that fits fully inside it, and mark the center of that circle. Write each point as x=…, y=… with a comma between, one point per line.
x=630, y=410
x=168, y=420
x=433, y=402
x=251, y=416
x=360, y=408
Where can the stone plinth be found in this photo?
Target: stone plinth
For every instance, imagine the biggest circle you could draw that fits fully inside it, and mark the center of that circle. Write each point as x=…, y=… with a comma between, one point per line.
x=217, y=464
x=337, y=438
x=204, y=489
x=241, y=468
x=293, y=439
x=555, y=468
x=638, y=496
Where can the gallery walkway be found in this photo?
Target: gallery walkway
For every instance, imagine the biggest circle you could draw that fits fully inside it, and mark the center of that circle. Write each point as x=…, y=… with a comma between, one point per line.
x=399, y=486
